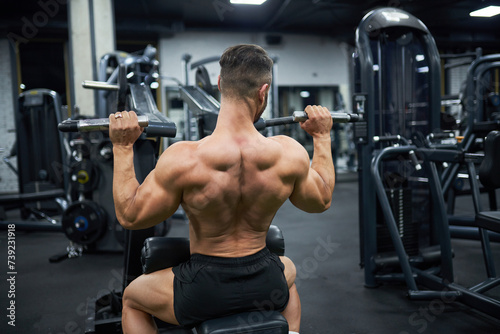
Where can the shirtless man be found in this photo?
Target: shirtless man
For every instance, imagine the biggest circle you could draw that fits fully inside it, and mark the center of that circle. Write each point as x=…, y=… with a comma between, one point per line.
x=230, y=184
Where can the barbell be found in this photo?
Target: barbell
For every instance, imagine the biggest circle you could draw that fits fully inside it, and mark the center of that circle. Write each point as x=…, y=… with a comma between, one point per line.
x=154, y=128
x=167, y=129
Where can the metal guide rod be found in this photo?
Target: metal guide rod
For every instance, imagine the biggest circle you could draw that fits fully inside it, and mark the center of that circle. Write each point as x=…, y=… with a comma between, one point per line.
x=99, y=85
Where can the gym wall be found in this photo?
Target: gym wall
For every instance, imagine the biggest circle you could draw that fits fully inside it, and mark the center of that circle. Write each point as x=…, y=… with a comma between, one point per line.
x=302, y=60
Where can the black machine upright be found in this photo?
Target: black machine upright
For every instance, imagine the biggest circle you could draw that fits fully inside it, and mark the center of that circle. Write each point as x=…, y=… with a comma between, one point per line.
x=397, y=84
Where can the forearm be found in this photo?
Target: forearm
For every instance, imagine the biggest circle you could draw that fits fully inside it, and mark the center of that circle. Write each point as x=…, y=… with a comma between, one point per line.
x=125, y=183
x=313, y=191
x=322, y=163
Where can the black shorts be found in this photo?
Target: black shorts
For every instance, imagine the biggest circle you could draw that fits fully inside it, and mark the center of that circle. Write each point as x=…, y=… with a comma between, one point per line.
x=207, y=287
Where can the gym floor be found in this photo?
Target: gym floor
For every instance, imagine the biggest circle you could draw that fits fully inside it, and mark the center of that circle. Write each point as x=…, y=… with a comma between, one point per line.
x=50, y=298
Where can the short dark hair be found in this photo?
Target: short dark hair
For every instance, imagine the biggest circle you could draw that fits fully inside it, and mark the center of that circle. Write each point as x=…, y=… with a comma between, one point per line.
x=244, y=69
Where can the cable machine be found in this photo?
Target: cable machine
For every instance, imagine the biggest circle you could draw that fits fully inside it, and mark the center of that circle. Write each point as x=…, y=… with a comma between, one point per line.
x=397, y=88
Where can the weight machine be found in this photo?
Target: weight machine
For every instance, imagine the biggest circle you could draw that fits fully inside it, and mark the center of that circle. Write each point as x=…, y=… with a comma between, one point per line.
x=397, y=90
x=41, y=161
x=440, y=278
x=481, y=104
x=405, y=169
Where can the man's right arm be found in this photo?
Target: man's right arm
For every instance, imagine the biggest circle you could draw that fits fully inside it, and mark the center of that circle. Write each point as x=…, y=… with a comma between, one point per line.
x=314, y=187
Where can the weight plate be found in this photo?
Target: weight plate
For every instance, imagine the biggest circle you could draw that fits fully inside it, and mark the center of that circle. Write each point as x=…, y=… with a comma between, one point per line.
x=105, y=151
x=84, y=176
x=84, y=222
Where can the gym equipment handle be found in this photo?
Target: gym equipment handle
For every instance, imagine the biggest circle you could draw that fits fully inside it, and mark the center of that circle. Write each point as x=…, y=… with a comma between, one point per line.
x=301, y=116
x=338, y=117
x=154, y=129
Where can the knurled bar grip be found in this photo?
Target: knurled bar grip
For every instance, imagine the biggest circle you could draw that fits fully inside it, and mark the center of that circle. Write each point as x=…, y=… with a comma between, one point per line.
x=97, y=124
x=338, y=117
x=153, y=128
x=301, y=116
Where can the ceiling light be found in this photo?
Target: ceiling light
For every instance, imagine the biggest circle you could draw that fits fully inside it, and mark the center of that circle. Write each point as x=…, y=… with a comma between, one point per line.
x=486, y=11
x=247, y=2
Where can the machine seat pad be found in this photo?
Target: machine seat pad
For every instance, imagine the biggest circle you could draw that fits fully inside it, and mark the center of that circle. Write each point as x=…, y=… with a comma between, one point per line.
x=160, y=252
x=256, y=322
x=489, y=220
x=489, y=170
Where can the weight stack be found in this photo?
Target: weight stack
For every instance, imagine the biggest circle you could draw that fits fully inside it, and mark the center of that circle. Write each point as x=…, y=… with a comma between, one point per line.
x=400, y=200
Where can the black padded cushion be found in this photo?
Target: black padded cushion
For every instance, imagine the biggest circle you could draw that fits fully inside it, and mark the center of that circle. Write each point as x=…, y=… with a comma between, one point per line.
x=159, y=253
x=250, y=322
x=489, y=170
x=275, y=241
x=489, y=220
x=163, y=252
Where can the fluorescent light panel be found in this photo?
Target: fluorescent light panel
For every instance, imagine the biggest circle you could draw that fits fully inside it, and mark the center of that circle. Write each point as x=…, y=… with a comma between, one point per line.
x=247, y=2
x=486, y=11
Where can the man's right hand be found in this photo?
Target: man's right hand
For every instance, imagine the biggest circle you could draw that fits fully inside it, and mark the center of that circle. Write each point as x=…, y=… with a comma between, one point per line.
x=124, y=128
x=319, y=121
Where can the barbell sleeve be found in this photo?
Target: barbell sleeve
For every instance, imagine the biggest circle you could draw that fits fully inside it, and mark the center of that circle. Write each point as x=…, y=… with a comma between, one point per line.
x=160, y=129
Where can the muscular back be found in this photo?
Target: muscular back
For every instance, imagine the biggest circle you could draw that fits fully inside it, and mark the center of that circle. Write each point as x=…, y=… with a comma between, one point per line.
x=232, y=187
x=230, y=184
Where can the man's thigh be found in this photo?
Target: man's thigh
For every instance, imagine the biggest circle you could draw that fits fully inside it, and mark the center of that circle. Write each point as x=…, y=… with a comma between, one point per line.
x=154, y=294
x=290, y=270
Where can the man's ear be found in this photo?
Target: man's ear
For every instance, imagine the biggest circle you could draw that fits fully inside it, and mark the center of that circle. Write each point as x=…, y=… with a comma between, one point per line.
x=263, y=91
x=218, y=82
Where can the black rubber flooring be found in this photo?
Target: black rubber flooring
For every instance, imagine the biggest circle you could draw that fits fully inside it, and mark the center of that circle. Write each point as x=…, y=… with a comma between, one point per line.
x=50, y=298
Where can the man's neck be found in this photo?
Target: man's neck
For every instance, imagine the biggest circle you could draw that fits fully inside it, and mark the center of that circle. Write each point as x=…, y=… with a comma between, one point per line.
x=236, y=115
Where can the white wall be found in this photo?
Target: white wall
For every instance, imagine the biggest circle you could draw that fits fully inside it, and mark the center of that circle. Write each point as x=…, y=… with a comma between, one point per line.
x=303, y=60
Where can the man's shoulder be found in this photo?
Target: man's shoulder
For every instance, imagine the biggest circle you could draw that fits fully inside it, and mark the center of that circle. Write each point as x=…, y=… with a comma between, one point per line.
x=178, y=153
x=293, y=151
x=286, y=142
x=183, y=147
